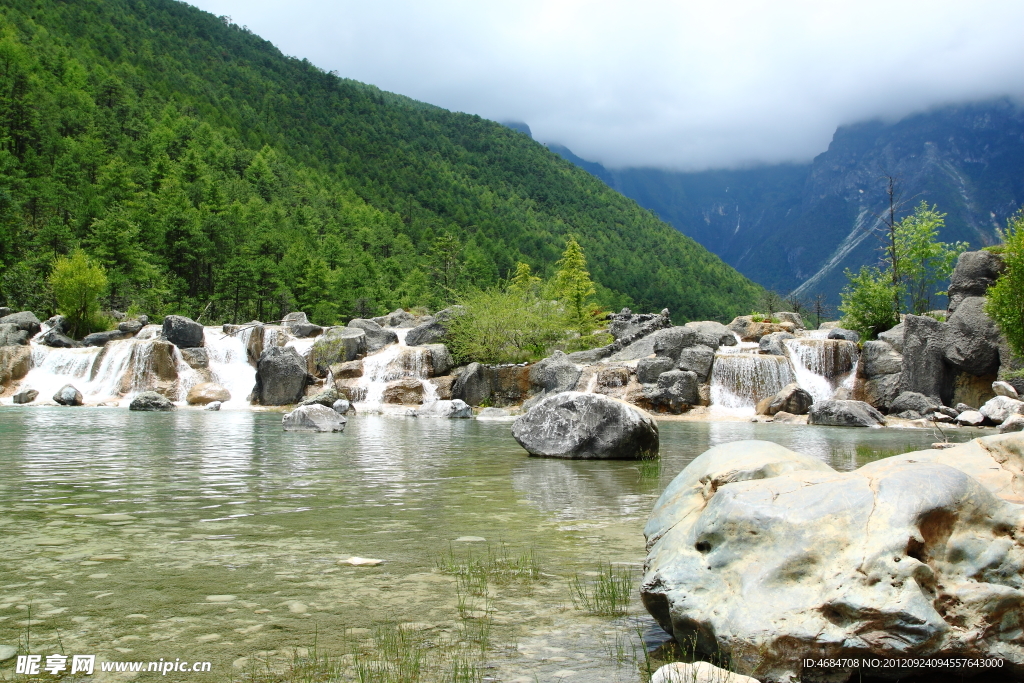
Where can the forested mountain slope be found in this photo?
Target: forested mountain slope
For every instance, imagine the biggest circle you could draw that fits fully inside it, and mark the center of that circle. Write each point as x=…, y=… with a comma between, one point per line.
x=210, y=173
x=798, y=227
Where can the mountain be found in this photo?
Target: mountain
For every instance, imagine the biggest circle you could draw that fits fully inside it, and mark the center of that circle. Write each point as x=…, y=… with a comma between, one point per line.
x=212, y=175
x=796, y=228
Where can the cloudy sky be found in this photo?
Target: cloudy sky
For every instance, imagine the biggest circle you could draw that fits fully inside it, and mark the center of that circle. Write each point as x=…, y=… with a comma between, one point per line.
x=682, y=85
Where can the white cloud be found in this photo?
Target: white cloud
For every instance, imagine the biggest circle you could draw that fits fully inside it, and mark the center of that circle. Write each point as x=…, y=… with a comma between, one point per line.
x=659, y=83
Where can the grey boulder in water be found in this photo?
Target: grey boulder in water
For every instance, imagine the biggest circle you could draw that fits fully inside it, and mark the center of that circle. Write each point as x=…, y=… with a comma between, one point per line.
x=576, y=425
x=376, y=336
x=281, y=376
x=838, y=413
x=67, y=395
x=213, y=405
x=445, y=409
x=768, y=557
x=150, y=401
x=313, y=418
x=26, y=396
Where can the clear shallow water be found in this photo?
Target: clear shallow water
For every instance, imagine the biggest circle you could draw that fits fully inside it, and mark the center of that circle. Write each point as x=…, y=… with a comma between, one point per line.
x=116, y=527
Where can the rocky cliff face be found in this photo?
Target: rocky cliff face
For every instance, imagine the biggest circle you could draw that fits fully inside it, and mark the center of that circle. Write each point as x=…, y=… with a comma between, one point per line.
x=798, y=227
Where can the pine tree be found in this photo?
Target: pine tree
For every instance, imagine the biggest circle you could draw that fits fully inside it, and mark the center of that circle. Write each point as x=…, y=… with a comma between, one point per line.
x=573, y=285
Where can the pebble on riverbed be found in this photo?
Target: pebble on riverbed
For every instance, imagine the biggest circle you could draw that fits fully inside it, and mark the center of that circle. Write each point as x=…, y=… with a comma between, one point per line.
x=361, y=561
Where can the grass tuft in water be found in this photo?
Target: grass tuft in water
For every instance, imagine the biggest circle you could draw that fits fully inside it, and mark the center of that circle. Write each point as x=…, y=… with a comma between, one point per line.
x=497, y=565
x=607, y=594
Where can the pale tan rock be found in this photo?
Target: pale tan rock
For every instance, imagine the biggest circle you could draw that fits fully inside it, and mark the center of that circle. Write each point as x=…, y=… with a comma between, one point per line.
x=697, y=672
x=207, y=392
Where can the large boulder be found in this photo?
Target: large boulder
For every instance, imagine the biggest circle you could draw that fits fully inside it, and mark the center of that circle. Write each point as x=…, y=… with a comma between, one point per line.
x=879, y=391
x=894, y=337
x=751, y=331
x=670, y=342
x=839, y=413
x=281, y=376
x=972, y=339
x=879, y=358
x=55, y=338
x=26, y=396
x=474, y=385
x=699, y=360
x=350, y=370
x=207, y=392
x=790, y=317
x=924, y=353
x=440, y=359
x=11, y=335
x=648, y=370
x=59, y=323
x=299, y=326
x=766, y=558
x=912, y=405
x=675, y=391
x=975, y=272
x=337, y=345
x=68, y=395
x=998, y=409
x=452, y=410
x=15, y=362
x=713, y=334
x=183, y=332
x=399, y=318
x=130, y=327
x=407, y=390
x=101, y=338
x=772, y=343
x=197, y=358
x=554, y=374
x=25, y=321
x=586, y=426
x=790, y=399
x=313, y=418
x=376, y=336
x=430, y=331
x=840, y=333
x=150, y=401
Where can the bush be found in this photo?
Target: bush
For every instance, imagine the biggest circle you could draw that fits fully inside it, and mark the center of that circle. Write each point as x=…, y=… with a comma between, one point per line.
x=868, y=303
x=1005, y=303
x=78, y=282
x=505, y=326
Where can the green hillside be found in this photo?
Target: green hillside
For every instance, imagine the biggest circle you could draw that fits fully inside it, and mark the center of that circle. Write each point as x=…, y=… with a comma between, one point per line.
x=212, y=175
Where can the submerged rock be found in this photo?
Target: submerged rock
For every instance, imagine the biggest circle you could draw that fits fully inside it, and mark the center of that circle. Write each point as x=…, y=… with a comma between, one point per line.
x=454, y=409
x=313, y=418
x=698, y=672
x=839, y=413
x=183, y=332
x=493, y=414
x=151, y=401
x=207, y=392
x=213, y=405
x=586, y=426
x=68, y=395
x=27, y=396
x=768, y=557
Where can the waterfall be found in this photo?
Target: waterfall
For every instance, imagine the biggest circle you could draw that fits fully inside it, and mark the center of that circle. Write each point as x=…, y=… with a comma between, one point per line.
x=392, y=363
x=822, y=366
x=229, y=363
x=740, y=379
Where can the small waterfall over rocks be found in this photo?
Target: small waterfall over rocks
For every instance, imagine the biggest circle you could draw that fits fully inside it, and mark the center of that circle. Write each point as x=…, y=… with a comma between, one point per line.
x=740, y=379
x=822, y=366
x=393, y=363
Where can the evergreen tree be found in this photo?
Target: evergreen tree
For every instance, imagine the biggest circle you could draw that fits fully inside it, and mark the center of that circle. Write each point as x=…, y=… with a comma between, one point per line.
x=573, y=286
x=78, y=282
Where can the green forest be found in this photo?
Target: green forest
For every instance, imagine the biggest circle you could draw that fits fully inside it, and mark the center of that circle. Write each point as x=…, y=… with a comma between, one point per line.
x=210, y=175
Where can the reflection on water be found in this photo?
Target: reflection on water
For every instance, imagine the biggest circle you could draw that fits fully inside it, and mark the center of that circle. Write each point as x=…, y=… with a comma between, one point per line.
x=194, y=503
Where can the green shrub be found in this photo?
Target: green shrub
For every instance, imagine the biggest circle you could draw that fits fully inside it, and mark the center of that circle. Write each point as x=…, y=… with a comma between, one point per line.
x=1005, y=302
x=78, y=282
x=500, y=325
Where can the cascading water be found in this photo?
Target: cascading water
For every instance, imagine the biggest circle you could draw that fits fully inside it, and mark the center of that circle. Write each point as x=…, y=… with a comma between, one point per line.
x=392, y=363
x=739, y=380
x=822, y=366
x=229, y=363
